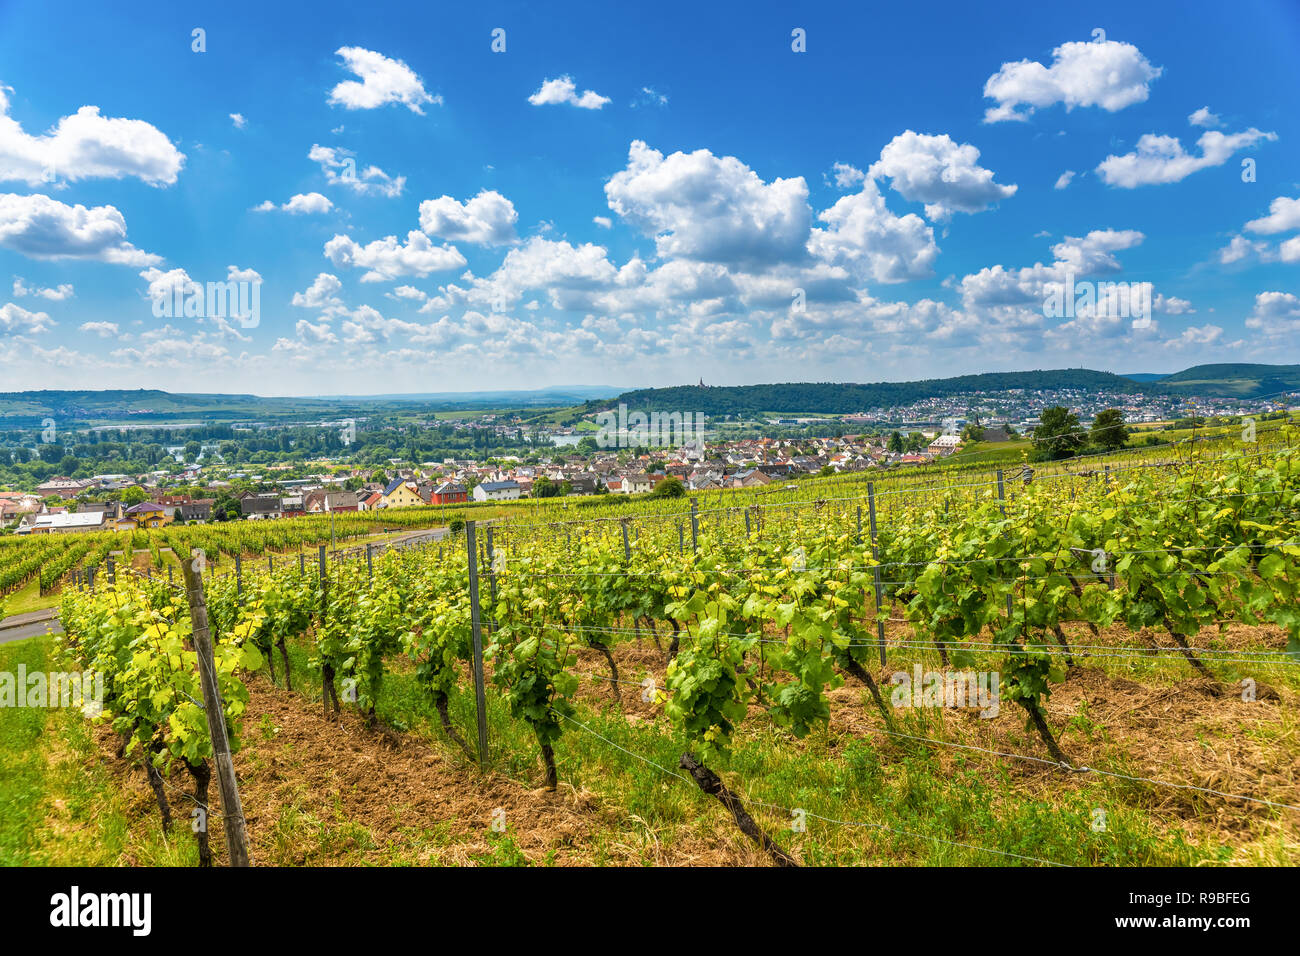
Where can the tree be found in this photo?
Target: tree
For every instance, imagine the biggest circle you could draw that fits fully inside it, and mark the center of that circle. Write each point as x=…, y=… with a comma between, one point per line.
x=545, y=488
x=588, y=446
x=379, y=478
x=1109, y=431
x=670, y=487
x=1058, y=434
x=133, y=495
x=192, y=450
x=896, y=443
x=973, y=433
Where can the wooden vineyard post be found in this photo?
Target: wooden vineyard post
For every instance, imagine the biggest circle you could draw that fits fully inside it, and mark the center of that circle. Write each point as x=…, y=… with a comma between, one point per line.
x=875, y=571
x=302, y=562
x=270, y=563
x=327, y=670
x=747, y=531
x=695, y=524
x=480, y=694
x=215, y=710
x=1003, y=508
x=112, y=572
x=681, y=539
x=370, y=561
x=239, y=578
x=627, y=545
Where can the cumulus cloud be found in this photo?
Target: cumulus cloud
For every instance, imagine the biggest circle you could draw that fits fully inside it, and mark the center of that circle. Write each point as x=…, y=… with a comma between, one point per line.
x=1162, y=159
x=862, y=235
x=43, y=228
x=563, y=90
x=340, y=169
x=15, y=319
x=238, y=120
x=58, y=294
x=1283, y=216
x=86, y=145
x=846, y=176
x=489, y=218
x=603, y=221
x=1275, y=314
x=388, y=258
x=1240, y=248
x=711, y=208
x=321, y=294
x=1064, y=179
x=936, y=170
x=1106, y=73
x=105, y=330
x=383, y=81
x=1203, y=117
x=303, y=204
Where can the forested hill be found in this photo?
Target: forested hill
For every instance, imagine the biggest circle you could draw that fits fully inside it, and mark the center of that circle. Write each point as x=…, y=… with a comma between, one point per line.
x=840, y=399
x=1236, y=381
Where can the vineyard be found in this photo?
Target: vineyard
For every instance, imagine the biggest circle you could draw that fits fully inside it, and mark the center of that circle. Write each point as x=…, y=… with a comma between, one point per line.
x=938, y=671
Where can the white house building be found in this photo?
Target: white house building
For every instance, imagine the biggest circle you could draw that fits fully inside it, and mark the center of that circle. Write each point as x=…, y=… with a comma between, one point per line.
x=496, y=491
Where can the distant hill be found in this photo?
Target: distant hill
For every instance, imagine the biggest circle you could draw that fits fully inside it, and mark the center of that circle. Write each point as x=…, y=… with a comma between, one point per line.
x=839, y=399
x=1234, y=381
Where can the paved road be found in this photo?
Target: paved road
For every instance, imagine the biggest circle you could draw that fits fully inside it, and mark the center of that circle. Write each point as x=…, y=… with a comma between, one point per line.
x=10, y=632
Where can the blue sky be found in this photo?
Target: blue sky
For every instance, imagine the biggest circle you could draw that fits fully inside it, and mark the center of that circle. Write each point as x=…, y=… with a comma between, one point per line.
x=634, y=196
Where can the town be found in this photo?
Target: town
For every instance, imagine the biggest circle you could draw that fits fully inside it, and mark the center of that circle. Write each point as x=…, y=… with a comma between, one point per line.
x=508, y=458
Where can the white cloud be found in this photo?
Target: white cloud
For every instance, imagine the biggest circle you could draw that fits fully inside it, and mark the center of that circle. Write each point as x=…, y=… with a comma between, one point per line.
x=1240, y=248
x=1064, y=179
x=86, y=145
x=238, y=120
x=710, y=208
x=1289, y=251
x=340, y=169
x=847, y=176
x=489, y=218
x=15, y=319
x=1162, y=159
x=43, y=228
x=1283, y=216
x=321, y=294
x=388, y=258
x=62, y=292
x=603, y=221
x=1275, y=314
x=1203, y=117
x=105, y=330
x=939, y=172
x=864, y=236
x=383, y=81
x=307, y=204
x=1108, y=74
x=562, y=90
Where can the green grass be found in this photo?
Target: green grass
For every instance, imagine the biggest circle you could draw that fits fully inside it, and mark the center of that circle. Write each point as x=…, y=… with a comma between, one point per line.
x=59, y=805
x=28, y=598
